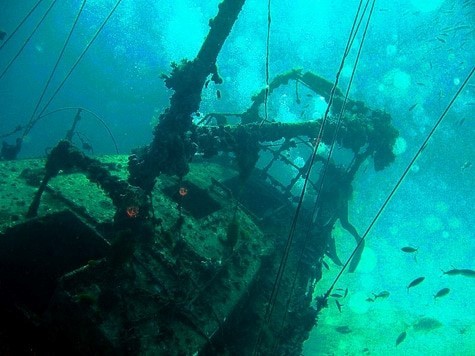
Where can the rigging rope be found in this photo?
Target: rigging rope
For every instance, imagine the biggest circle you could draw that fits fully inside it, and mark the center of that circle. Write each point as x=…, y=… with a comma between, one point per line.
x=401, y=178
x=20, y=24
x=347, y=93
x=28, y=39
x=81, y=56
x=30, y=124
x=284, y=259
x=345, y=101
x=93, y=114
x=266, y=98
x=301, y=197
x=350, y=41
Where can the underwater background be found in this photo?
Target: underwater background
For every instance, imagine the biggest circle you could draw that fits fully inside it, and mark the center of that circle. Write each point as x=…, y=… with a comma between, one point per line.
x=416, y=55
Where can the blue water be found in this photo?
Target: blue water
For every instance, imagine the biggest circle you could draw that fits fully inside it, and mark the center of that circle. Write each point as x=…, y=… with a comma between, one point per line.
x=416, y=53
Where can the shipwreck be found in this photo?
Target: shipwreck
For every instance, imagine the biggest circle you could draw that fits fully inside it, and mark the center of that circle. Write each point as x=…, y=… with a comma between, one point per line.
x=186, y=246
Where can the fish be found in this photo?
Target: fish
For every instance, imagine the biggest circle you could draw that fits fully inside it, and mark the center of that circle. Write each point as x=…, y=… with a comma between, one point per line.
x=218, y=94
x=338, y=305
x=442, y=293
x=457, y=28
x=401, y=338
x=460, y=122
x=346, y=293
x=412, y=107
x=344, y=329
x=465, y=165
x=336, y=295
x=369, y=299
x=426, y=324
x=383, y=295
x=460, y=272
x=415, y=282
x=440, y=39
x=2, y=35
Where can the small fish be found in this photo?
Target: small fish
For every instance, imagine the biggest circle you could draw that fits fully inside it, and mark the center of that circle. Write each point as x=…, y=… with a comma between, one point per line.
x=460, y=272
x=346, y=293
x=460, y=122
x=383, y=295
x=415, y=282
x=218, y=94
x=465, y=165
x=336, y=295
x=338, y=305
x=443, y=292
x=421, y=84
x=412, y=107
x=457, y=28
x=426, y=324
x=345, y=329
x=2, y=35
x=369, y=299
x=440, y=39
x=401, y=338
